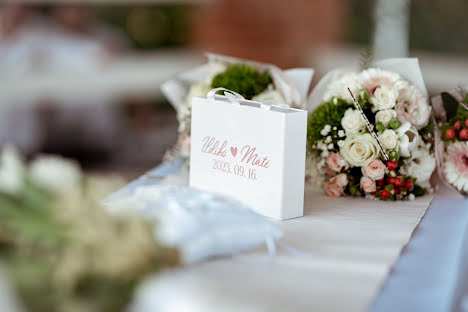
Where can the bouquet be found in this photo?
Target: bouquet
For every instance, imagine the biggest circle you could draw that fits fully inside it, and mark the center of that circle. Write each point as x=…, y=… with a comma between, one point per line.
x=451, y=114
x=371, y=134
x=253, y=80
x=61, y=249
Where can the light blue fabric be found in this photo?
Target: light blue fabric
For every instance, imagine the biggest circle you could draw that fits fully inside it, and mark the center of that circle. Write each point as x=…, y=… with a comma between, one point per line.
x=427, y=276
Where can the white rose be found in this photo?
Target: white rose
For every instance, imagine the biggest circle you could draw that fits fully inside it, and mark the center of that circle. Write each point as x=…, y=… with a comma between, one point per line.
x=184, y=111
x=420, y=166
x=385, y=116
x=11, y=171
x=389, y=139
x=409, y=139
x=384, y=98
x=412, y=106
x=270, y=94
x=357, y=150
x=352, y=122
x=55, y=174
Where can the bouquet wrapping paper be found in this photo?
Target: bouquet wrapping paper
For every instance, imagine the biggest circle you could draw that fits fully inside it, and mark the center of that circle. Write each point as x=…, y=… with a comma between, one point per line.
x=252, y=151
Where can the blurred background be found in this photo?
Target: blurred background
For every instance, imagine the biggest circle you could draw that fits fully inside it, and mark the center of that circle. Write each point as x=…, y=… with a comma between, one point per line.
x=82, y=79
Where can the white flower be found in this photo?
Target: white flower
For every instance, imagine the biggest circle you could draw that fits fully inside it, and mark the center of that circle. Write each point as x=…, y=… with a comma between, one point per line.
x=185, y=110
x=420, y=166
x=326, y=130
x=411, y=196
x=409, y=139
x=352, y=122
x=385, y=116
x=389, y=139
x=384, y=98
x=328, y=139
x=357, y=150
x=55, y=174
x=341, y=133
x=412, y=106
x=269, y=94
x=339, y=87
x=373, y=78
x=456, y=165
x=11, y=170
x=340, y=143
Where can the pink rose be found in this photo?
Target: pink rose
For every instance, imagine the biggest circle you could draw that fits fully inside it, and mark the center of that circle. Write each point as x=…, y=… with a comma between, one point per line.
x=336, y=162
x=368, y=185
x=374, y=169
x=335, y=187
x=341, y=179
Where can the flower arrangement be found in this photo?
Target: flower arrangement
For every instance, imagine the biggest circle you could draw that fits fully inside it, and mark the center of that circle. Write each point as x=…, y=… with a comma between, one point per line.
x=253, y=80
x=451, y=113
x=371, y=136
x=61, y=249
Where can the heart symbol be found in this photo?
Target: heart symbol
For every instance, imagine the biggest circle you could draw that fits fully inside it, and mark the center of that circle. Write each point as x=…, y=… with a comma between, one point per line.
x=234, y=151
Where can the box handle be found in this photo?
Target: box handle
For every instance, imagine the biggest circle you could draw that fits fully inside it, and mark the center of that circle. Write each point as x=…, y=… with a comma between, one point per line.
x=232, y=96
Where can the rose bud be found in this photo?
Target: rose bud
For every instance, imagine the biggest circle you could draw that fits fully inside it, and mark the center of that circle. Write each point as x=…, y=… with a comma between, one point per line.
x=384, y=194
x=450, y=134
x=392, y=165
x=390, y=180
x=398, y=181
x=457, y=125
x=463, y=134
x=408, y=184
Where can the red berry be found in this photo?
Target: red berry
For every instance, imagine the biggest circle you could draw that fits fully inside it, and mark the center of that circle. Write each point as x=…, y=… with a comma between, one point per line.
x=380, y=182
x=450, y=133
x=408, y=184
x=457, y=125
x=463, y=134
x=398, y=181
x=392, y=165
x=384, y=194
x=390, y=180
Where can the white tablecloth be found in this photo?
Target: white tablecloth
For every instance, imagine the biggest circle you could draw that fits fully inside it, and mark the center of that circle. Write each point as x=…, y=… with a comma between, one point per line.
x=351, y=244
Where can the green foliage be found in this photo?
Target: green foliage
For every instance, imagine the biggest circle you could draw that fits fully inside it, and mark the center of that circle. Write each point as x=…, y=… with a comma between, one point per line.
x=453, y=109
x=327, y=113
x=243, y=79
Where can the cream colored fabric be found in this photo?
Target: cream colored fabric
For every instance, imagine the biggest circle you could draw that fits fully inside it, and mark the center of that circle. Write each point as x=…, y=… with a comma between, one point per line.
x=350, y=245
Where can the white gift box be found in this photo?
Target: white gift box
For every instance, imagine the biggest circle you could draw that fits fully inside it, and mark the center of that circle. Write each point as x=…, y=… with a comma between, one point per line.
x=252, y=151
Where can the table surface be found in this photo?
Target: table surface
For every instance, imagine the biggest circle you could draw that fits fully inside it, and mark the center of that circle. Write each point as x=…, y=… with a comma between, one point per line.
x=432, y=271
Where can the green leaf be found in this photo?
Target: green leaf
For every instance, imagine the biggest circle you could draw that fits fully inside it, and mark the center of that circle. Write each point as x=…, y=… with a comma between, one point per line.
x=450, y=104
x=418, y=191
